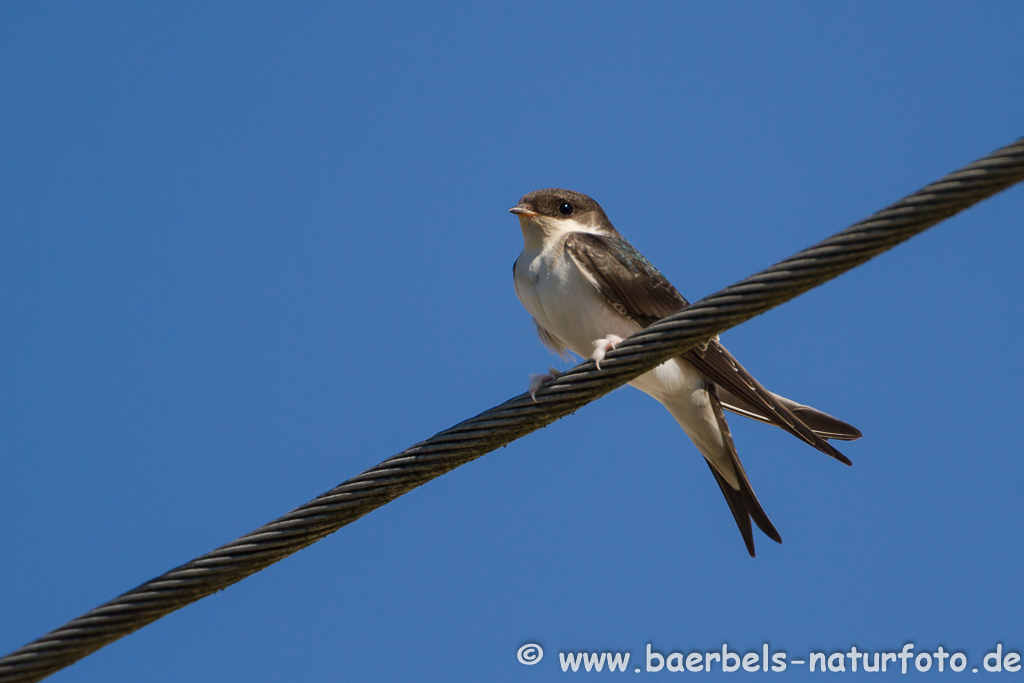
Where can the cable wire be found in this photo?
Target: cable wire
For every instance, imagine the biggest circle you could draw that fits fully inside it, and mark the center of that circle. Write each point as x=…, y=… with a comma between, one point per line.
x=516, y=417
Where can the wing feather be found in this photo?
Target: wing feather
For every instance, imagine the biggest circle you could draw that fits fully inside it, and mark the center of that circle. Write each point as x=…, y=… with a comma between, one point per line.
x=641, y=293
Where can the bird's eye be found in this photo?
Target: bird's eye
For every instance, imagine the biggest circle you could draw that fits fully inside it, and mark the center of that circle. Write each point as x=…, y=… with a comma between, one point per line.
x=566, y=209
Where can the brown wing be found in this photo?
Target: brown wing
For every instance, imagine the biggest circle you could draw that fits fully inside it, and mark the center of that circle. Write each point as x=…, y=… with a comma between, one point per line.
x=821, y=423
x=624, y=277
x=719, y=366
x=640, y=292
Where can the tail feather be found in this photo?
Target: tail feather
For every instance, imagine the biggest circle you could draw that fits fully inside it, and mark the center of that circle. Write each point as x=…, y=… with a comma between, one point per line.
x=743, y=503
x=745, y=507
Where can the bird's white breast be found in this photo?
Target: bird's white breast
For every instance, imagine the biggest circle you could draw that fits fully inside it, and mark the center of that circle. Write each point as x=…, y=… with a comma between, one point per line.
x=564, y=301
x=568, y=305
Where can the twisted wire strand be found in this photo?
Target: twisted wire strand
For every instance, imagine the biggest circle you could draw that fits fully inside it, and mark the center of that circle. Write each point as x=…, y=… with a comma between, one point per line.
x=516, y=417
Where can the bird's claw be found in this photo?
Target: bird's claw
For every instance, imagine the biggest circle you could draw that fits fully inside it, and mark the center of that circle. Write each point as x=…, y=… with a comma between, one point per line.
x=603, y=346
x=537, y=381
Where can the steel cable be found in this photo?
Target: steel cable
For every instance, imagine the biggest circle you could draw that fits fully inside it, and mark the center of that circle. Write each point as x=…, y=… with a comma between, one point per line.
x=502, y=424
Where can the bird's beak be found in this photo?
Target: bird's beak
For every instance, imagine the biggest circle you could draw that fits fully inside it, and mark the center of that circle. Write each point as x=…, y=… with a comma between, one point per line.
x=523, y=210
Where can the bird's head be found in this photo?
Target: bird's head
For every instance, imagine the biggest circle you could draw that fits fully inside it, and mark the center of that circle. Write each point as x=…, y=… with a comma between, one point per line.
x=546, y=214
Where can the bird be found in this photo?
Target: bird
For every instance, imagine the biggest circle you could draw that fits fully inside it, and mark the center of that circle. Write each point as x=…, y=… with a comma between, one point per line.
x=587, y=288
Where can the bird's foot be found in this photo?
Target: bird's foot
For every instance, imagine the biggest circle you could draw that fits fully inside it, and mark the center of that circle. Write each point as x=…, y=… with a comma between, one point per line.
x=537, y=381
x=603, y=346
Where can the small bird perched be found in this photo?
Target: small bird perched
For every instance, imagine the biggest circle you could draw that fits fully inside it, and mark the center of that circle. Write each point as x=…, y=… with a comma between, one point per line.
x=587, y=288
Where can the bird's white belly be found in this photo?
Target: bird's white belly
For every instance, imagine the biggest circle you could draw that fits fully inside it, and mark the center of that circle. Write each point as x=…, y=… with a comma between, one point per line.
x=569, y=307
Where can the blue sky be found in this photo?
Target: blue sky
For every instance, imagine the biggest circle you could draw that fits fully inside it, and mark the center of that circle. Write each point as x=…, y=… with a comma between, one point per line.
x=247, y=251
